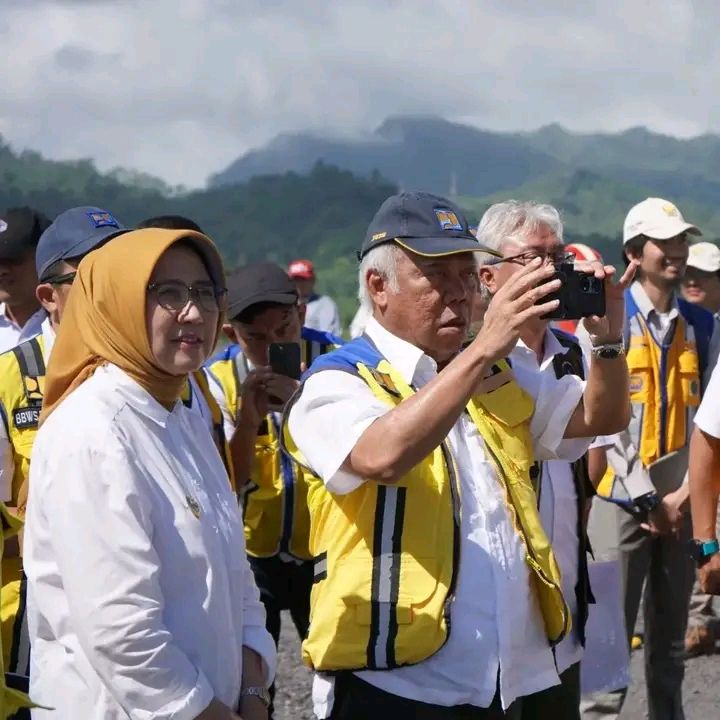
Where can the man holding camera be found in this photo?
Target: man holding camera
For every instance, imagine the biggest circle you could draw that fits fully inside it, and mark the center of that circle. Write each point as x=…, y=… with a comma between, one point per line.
x=667, y=342
x=521, y=232
x=436, y=592
x=252, y=378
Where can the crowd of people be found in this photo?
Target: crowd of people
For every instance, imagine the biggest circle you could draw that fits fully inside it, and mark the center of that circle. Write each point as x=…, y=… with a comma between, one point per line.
x=188, y=452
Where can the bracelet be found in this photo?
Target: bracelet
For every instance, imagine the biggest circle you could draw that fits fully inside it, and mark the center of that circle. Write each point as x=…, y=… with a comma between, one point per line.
x=258, y=691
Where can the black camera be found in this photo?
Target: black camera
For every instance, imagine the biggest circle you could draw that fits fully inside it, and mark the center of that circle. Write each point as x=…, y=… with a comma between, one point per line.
x=580, y=294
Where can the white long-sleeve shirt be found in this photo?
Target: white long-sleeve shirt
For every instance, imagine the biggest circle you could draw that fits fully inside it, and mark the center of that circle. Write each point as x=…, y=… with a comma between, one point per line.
x=496, y=628
x=140, y=597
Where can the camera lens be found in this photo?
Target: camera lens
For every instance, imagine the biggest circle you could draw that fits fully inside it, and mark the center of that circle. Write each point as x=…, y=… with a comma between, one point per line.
x=590, y=285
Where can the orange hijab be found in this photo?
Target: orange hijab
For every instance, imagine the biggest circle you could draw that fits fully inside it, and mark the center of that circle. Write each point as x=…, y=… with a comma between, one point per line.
x=105, y=317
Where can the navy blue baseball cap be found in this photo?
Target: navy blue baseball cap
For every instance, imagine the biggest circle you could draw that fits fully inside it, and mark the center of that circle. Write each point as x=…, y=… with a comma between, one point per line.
x=422, y=223
x=74, y=234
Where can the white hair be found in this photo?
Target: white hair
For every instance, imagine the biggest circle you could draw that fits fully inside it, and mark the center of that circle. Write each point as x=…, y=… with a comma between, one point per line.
x=382, y=260
x=515, y=221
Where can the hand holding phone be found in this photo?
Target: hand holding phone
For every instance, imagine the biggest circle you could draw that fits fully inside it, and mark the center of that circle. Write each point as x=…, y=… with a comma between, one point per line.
x=286, y=367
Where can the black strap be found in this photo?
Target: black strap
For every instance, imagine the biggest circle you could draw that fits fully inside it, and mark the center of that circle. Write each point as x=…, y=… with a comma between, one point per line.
x=571, y=363
x=32, y=366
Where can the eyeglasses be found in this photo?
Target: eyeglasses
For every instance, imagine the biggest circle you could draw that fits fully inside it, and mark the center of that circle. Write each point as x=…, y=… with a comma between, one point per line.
x=174, y=295
x=556, y=258
x=66, y=279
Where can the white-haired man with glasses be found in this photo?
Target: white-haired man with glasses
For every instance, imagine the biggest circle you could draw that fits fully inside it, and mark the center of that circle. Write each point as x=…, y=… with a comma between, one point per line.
x=521, y=232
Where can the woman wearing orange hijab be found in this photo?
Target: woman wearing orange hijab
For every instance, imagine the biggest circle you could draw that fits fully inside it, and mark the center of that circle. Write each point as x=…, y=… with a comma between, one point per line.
x=141, y=603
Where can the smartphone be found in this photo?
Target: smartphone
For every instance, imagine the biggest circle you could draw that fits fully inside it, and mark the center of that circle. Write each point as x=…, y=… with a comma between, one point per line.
x=285, y=359
x=580, y=295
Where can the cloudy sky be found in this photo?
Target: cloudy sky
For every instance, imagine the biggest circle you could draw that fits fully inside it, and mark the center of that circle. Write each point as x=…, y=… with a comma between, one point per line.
x=179, y=88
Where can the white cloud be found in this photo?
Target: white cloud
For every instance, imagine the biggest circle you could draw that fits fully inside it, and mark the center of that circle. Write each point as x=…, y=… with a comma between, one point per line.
x=179, y=88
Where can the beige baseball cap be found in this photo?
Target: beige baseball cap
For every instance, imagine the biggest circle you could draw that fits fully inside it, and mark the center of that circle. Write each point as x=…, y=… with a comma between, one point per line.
x=657, y=219
x=704, y=256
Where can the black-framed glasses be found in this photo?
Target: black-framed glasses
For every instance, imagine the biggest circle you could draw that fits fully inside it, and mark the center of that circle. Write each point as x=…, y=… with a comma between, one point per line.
x=174, y=295
x=64, y=279
x=558, y=257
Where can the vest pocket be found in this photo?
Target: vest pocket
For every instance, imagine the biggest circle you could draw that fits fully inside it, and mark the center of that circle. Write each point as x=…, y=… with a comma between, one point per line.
x=690, y=377
x=640, y=369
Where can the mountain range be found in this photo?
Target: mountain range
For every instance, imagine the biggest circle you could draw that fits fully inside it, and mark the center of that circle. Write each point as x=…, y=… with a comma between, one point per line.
x=592, y=178
x=305, y=196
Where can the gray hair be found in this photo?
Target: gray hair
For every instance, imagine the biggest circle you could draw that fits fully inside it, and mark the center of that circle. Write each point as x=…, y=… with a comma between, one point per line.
x=382, y=260
x=515, y=221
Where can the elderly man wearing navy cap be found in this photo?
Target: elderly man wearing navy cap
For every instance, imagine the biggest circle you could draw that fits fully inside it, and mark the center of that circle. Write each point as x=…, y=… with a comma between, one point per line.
x=61, y=246
x=437, y=594
x=20, y=313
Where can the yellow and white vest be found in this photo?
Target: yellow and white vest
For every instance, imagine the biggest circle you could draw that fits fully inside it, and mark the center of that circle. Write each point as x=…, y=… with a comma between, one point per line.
x=386, y=555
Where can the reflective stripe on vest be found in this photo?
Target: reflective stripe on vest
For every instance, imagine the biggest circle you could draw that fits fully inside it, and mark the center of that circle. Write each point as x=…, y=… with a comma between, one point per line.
x=389, y=516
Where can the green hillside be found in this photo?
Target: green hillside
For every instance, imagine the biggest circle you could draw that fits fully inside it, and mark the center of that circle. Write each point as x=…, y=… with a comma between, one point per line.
x=323, y=214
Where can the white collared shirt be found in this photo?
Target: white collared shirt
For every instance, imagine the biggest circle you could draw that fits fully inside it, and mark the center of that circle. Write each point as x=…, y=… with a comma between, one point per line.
x=496, y=623
x=140, y=596
x=322, y=314
x=12, y=334
x=558, y=496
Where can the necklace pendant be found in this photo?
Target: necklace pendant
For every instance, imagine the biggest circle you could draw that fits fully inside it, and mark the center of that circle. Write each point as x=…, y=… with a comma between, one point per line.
x=193, y=505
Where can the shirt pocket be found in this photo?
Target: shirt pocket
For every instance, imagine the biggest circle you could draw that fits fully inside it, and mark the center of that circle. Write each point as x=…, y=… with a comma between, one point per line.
x=690, y=377
x=639, y=363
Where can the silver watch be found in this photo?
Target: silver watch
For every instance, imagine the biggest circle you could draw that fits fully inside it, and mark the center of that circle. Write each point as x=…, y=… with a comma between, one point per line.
x=608, y=351
x=257, y=691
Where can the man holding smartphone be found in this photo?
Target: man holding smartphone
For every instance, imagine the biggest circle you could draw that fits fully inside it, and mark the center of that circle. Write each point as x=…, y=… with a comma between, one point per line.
x=252, y=379
x=521, y=232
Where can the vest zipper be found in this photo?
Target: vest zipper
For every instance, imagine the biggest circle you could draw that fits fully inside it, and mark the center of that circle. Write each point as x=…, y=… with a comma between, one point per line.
x=455, y=496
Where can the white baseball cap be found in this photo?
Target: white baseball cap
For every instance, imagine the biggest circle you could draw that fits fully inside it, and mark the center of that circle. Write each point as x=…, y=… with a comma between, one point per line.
x=657, y=219
x=704, y=256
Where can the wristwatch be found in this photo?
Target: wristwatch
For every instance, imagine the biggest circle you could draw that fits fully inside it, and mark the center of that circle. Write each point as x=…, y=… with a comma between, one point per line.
x=703, y=550
x=647, y=502
x=257, y=691
x=608, y=351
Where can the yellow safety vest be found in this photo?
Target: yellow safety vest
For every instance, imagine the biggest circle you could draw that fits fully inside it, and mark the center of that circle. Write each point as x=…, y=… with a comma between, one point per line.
x=22, y=380
x=386, y=555
x=665, y=381
x=10, y=700
x=275, y=502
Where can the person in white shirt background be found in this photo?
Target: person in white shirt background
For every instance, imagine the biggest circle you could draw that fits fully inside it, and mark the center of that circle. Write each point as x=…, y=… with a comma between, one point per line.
x=141, y=602
x=522, y=232
x=20, y=311
x=322, y=313
x=419, y=278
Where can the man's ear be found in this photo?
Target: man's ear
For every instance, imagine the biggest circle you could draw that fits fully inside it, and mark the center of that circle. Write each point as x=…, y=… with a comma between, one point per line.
x=377, y=288
x=45, y=293
x=487, y=278
x=229, y=332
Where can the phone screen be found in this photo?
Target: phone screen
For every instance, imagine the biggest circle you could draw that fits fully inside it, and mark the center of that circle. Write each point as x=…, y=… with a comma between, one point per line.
x=285, y=359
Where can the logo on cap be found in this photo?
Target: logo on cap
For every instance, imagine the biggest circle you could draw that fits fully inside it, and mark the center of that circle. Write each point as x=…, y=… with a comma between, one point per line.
x=448, y=219
x=3, y=226
x=103, y=219
x=670, y=209
x=378, y=236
